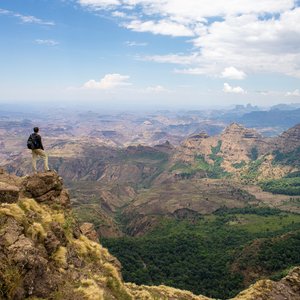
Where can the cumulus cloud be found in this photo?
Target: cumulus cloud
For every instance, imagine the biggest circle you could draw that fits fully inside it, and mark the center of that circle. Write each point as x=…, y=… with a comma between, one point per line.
x=252, y=36
x=162, y=27
x=295, y=93
x=46, y=42
x=109, y=81
x=195, y=10
x=119, y=14
x=235, y=90
x=233, y=73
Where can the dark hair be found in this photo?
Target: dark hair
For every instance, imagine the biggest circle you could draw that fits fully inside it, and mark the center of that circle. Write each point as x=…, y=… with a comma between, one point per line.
x=36, y=129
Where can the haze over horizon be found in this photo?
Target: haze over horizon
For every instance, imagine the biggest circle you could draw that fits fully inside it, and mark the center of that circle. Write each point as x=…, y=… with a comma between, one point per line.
x=142, y=54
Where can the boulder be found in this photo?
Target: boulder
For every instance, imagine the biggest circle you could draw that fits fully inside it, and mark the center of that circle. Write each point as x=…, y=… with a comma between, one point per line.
x=64, y=198
x=51, y=242
x=46, y=188
x=40, y=184
x=8, y=193
x=89, y=231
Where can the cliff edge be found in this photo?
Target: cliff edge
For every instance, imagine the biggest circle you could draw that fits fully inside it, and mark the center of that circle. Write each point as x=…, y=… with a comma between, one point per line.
x=45, y=254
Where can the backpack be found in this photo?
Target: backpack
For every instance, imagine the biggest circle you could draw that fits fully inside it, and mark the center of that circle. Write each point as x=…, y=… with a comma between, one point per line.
x=32, y=142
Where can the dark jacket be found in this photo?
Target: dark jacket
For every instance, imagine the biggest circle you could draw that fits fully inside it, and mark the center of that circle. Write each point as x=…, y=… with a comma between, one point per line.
x=38, y=141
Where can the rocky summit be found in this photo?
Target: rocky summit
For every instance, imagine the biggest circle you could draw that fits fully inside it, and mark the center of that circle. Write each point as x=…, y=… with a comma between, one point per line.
x=45, y=254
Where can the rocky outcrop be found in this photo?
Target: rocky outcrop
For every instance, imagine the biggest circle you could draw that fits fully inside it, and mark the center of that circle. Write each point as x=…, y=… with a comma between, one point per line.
x=235, y=144
x=166, y=147
x=238, y=130
x=201, y=135
x=286, y=288
x=9, y=193
x=44, y=254
x=45, y=188
x=234, y=150
x=288, y=140
x=89, y=231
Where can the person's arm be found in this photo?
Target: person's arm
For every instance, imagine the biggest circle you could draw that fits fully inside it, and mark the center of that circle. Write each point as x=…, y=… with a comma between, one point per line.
x=41, y=144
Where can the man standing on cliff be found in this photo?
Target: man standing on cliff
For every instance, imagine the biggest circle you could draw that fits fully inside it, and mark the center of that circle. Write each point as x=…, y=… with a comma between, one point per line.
x=35, y=144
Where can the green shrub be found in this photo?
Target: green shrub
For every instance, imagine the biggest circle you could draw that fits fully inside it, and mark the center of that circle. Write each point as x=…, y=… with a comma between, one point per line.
x=286, y=186
x=254, y=153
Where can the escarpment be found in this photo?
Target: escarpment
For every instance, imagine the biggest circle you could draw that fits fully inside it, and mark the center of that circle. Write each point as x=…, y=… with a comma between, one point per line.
x=45, y=254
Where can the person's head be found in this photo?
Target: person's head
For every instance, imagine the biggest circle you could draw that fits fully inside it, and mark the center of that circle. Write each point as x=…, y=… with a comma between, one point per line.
x=36, y=129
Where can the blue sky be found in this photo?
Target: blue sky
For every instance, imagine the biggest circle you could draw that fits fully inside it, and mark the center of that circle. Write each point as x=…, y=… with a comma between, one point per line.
x=160, y=53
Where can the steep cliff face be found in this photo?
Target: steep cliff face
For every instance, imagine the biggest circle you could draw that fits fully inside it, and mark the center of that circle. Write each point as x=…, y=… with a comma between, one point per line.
x=235, y=149
x=235, y=144
x=44, y=254
x=288, y=140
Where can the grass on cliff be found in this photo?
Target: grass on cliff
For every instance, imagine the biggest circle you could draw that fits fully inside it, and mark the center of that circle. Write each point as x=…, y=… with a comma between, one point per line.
x=290, y=158
x=198, y=256
x=200, y=164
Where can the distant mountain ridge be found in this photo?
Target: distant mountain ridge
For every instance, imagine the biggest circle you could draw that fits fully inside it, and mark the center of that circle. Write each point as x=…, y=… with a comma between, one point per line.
x=271, y=118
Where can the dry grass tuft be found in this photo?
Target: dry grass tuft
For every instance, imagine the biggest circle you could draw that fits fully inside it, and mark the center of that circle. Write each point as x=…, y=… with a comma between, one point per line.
x=91, y=290
x=37, y=232
x=86, y=247
x=12, y=210
x=60, y=256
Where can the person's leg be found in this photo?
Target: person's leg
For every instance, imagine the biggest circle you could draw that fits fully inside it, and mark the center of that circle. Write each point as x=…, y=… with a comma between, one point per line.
x=44, y=155
x=34, y=157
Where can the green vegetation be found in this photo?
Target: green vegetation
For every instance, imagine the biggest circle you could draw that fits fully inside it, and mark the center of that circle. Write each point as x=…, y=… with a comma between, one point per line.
x=290, y=158
x=254, y=153
x=212, y=170
x=198, y=255
x=88, y=213
x=254, y=210
x=144, y=155
x=292, y=202
x=277, y=254
x=253, y=170
x=201, y=165
x=239, y=165
x=293, y=174
x=215, y=151
x=286, y=185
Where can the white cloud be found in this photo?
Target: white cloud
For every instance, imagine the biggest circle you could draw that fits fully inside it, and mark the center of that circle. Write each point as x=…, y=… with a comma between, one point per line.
x=195, y=10
x=247, y=42
x=109, y=81
x=119, y=14
x=4, y=11
x=34, y=20
x=163, y=27
x=253, y=36
x=135, y=44
x=156, y=89
x=235, y=90
x=172, y=58
x=26, y=19
x=233, y=73
x=99, y=3
x=47, y=42
x=295, y=93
